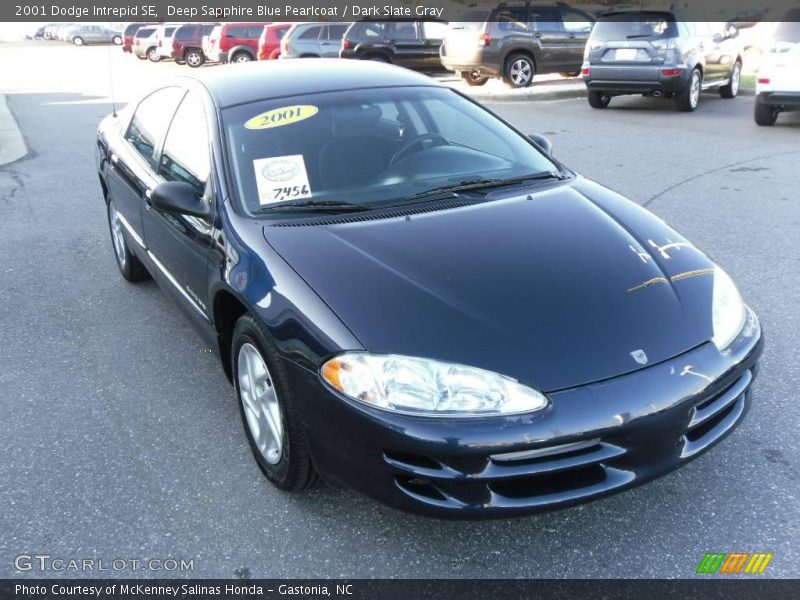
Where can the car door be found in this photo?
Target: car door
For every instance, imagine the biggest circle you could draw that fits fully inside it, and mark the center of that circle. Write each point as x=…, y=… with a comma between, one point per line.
x=331, y=43
x=545, y=26
x=719, y=61
x=577, y=27
x=179, y=244
x=132, y=161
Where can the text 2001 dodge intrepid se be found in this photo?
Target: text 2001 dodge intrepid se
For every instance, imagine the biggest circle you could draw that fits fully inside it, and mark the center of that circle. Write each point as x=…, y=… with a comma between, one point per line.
x=415, y=300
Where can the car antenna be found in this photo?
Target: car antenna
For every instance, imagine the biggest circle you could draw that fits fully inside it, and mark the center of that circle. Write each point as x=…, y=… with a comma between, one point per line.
x=111, y=83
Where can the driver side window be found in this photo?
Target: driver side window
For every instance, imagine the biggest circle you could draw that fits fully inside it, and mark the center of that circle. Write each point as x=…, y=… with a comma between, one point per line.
x=150, y=121
x=186, y=150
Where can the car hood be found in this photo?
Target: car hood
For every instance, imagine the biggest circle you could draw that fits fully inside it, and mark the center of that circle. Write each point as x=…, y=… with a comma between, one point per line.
x=562, y=286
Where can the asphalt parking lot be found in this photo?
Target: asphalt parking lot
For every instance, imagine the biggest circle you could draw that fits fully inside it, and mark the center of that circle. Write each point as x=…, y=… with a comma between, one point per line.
x=121, y=436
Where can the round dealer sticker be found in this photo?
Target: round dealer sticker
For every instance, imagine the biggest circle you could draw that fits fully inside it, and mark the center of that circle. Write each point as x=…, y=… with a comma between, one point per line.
x=280, y=170
x=281, y=116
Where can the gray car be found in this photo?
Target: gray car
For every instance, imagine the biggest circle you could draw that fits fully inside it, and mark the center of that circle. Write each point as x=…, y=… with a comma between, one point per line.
x=516, y=42
x=307, y=40
x=81, y=35
x=660, y=54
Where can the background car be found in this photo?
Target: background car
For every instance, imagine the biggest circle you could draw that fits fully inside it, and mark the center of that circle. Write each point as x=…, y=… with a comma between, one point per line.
x=187, y=43
x=145, y=44
x=269, y=44
x=412, y=44
x=515, y=42
x=164, y=35
x=82, y=35
x=313, y=40
x=657, y=54
x=778, y=81
x=127, y=35
x=234, y=42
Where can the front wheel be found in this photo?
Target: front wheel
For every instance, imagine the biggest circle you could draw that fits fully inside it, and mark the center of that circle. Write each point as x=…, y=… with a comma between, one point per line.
x=274, y=432
x=732, y=89
x=598, y=99
x=519, y=71
x=195, y=58
x=474, y=78
x=129, y=265
x=689, y=97
x=765, y=114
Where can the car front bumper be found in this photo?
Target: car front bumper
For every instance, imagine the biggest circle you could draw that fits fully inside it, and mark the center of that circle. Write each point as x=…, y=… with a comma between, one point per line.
x=590, y=442
x=636, y=79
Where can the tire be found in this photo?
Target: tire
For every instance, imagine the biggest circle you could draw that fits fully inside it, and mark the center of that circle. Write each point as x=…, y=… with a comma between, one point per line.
x=78, y=41
x=194, y=58
x=519, y=71
x=598, y=99
x=241, y=57
x=688, y=99
x=117, y=40
x=474, y=79
x=765, y=114
x=129, y=264
x=153, y=55
x=287, y=462
x=731, y=90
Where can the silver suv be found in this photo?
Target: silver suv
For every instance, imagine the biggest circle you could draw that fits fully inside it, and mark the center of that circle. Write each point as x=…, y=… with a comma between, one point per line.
x=307, y=40
x=660, y=54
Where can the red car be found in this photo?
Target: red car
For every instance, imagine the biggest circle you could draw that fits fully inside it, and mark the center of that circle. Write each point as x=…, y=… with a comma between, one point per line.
x=127, y=35
x=187, y=43
x=234, y=42
x=269, y=44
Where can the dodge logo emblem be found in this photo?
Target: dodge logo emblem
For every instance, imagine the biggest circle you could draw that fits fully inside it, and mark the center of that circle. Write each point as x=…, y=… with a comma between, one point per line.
x=639, y=356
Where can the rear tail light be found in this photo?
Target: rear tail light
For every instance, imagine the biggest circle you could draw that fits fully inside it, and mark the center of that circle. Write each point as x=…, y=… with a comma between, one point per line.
x=345, y=44
x=764, y=80
x=284, y=46
x=585, y=71
x=670, y=72
x=485, y=39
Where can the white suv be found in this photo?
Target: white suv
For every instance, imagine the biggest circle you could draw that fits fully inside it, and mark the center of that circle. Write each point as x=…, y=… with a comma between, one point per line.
x=778, y=83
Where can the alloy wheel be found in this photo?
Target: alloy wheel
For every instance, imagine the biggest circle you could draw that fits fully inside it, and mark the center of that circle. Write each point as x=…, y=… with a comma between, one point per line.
x=736, y=77
x=521, y=72
x=193, y=58
x=694, y=90
x=260, y=402
x=117, y=237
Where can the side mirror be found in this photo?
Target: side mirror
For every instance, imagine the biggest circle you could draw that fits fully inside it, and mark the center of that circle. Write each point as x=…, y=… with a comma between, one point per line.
x=179, y=197
x=541, y=142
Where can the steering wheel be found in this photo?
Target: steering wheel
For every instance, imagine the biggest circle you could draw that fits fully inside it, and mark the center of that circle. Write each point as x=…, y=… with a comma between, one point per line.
x=405, y=149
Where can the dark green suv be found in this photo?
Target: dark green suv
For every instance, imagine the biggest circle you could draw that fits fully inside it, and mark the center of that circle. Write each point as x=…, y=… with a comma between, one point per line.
x=515, y=42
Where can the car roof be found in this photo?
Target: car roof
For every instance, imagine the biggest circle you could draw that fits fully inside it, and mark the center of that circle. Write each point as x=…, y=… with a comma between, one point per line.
x=264, y=80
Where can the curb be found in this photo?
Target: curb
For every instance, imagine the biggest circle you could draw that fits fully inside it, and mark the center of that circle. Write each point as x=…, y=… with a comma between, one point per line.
x=12, y=144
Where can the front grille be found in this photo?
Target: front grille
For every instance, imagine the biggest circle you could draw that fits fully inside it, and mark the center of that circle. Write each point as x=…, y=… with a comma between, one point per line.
x=713, y=418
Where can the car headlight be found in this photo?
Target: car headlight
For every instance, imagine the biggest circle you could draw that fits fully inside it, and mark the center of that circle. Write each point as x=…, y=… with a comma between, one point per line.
x=727, y=310
x=425, y=387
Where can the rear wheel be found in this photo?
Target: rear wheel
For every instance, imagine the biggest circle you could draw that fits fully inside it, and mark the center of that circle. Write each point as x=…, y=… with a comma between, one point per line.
x=195, y=58
x=241, y=57
x=689, y=97
x=153, y=55
x=129, y=265
x=276, y=436
x=598, y=99
x=474, y=78
x=732, y=89
x=766, y=114
x=518, y=71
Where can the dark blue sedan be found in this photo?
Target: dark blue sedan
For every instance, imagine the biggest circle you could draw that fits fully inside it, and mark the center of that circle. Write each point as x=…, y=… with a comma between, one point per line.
x=414, y=299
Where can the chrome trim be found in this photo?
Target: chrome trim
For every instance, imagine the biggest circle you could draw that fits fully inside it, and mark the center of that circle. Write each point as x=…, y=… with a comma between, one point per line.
x=541, y=452
x=177, y=285
x=132, y=233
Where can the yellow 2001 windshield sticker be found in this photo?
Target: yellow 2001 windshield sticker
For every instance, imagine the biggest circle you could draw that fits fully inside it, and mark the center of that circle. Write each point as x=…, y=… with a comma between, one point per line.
x=281, y=116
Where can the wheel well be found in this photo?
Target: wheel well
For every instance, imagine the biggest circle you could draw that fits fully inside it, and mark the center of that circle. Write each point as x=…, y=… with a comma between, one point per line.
x=239, y=51
x=227, y=310
x=104, y=187
x=523, y=52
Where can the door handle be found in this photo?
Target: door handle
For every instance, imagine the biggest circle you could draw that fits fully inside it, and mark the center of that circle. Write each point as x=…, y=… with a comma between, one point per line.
x=114, y=159
x=571, y=36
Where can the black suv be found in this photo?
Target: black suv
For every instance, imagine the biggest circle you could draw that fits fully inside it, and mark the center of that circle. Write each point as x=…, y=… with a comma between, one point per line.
x=412, y=44
x=517, y=41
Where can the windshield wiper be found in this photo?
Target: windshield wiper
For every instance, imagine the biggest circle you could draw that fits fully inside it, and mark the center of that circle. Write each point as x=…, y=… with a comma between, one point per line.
x=482, y=184
x=638, y=36
x=312, y=206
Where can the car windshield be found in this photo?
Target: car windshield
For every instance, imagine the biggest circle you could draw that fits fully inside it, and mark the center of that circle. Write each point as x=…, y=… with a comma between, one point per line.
x=644, y=25
x=372, y=147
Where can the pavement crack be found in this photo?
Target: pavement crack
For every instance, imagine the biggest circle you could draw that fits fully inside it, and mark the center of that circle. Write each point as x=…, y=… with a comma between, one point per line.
x=715, y=170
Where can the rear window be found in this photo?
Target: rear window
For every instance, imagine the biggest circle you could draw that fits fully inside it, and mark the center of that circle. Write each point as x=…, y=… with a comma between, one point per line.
x=371, y=30
x=186, y=32
x=131, y=29
x=635, y=26
x=145, y=32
